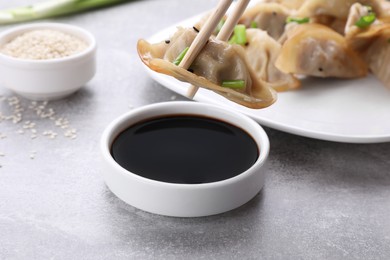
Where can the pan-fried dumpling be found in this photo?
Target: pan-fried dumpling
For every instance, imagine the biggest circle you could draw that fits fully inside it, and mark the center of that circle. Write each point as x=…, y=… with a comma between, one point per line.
x=334, y=13
x=270, y=17
x=316, y=50
x=335, y=8
x=358, y=38
x=262, y=51
x=216, y=63
x=372, y=42
x=356, y=12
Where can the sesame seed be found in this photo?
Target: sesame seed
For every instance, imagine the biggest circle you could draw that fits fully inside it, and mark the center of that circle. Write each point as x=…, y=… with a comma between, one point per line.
x=16, y=111
x=43, y=45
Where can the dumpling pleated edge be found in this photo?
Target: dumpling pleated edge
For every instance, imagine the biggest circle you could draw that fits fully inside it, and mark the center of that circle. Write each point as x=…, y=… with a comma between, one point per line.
x=268, y=95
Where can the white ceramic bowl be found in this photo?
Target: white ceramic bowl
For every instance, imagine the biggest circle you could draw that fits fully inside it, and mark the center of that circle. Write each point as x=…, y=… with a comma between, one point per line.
x=183, y=200
x=47, y=79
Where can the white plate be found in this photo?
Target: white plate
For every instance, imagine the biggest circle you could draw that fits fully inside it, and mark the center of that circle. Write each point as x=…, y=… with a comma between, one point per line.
x=352, y=111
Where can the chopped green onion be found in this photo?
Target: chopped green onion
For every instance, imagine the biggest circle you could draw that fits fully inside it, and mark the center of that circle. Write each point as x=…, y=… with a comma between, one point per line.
x=298, y=20
x=366, y=20
x=180, y=57
x=235, y=84
x=240, y=34
x=254, y=24
x=220, y=25
x=233, y=39
x=51, y=8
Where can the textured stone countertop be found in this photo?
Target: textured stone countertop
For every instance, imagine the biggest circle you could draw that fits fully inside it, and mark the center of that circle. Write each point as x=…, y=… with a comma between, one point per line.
x=321, y=200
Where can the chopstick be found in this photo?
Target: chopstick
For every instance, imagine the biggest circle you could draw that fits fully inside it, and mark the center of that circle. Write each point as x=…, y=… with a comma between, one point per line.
x=204, y=34
x=232, y=20
x=223, y=35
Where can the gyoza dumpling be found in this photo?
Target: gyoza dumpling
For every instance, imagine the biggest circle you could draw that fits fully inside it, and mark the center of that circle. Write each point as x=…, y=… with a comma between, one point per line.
x=360, y=38
x=270, y=17
x=218, y=62
x=334, y=13
x=316, y=50
x=372, y=42
x=335, y=8
x=262, y=51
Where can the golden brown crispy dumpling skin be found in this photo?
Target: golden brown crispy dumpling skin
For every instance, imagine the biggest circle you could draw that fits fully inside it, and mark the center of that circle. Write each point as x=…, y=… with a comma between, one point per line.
x=262, y=51
x=316, y=50
x=218, y=61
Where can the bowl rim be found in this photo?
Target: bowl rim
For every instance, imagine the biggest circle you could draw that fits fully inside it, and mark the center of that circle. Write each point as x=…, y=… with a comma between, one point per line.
x=91, y=42
x=262, y=142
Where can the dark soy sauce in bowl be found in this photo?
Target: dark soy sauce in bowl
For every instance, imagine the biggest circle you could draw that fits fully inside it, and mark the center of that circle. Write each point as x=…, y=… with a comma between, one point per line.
x=185, y=149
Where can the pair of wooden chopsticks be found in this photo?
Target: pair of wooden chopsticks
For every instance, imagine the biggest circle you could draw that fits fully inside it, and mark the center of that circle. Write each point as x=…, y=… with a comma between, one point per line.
x=208, y=28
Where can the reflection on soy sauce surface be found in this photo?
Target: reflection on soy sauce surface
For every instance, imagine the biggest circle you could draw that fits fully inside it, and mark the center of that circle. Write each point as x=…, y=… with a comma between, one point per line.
x=185, y=149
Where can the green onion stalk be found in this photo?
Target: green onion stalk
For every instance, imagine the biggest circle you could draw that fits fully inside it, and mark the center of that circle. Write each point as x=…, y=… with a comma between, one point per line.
x=234, y=84
x=366, y=21
x=181, y=56
x=254, y=24
x=297, y=20
x=239, y=36
x=51, y=8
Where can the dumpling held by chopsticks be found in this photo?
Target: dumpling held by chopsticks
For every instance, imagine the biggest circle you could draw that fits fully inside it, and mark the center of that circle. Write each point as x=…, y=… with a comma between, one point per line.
x=219, y=67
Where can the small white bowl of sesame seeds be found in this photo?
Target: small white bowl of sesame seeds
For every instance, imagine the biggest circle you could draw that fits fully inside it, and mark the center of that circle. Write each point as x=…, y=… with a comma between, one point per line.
x=46, y=61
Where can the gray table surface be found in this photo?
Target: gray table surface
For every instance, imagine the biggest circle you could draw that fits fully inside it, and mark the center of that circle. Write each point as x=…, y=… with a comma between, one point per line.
x=321, y=200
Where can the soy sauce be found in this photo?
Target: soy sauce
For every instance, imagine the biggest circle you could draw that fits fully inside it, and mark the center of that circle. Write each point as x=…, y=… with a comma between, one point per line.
x=185, y=149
